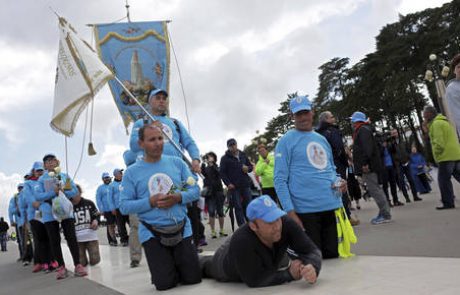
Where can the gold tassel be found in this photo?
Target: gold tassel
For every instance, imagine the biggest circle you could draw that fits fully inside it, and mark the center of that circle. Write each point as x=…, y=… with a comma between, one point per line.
x=91, y=150
x=67, y=186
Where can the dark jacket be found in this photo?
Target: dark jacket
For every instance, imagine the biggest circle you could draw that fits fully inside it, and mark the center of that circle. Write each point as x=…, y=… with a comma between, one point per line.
x=245, y=258
x=3, y=227
x=334, y=137
x=212, y=179
x=399, y=152
x=231, y=170
x=366, y=150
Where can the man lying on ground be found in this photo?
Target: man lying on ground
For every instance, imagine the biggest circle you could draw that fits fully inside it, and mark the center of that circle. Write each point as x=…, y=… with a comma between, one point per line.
x=256, y=250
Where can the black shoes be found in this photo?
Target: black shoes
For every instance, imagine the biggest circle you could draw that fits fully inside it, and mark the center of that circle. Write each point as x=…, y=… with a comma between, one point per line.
x=134, y=264
x=445, y=207
x=398, y=203
x=418, y=199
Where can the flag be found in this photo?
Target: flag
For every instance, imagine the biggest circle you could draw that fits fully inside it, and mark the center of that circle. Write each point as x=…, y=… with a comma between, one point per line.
x=80, y=74
x=138, y=54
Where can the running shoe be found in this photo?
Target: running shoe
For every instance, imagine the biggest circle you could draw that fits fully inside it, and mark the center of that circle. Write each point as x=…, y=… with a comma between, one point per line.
x=37, y=267
x=80, y=271
x=61, y=273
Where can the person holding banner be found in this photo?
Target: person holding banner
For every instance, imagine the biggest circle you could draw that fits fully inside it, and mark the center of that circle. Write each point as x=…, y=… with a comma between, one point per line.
x=158, y=101
x=158, y=189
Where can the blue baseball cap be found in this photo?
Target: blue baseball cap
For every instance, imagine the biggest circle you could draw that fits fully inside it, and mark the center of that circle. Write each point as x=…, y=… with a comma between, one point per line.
x=358, y=117
x=299, y=103
x=117, y=170
x=105, y=175
x=37, y=166
x=264, y=208
x=156, y=91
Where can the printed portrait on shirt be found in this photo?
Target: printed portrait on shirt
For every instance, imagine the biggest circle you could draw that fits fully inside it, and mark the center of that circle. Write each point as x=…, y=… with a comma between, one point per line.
x=160, y=183
x=316, y=155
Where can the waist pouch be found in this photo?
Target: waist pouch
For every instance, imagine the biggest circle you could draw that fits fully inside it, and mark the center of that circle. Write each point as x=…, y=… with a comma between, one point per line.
x=169, y=236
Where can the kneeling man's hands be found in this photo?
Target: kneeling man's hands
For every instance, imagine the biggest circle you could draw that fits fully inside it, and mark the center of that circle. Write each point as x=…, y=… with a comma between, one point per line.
x=308, y=273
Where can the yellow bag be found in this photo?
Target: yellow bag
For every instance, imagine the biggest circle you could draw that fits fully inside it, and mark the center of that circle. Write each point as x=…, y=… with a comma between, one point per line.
x=345, y=233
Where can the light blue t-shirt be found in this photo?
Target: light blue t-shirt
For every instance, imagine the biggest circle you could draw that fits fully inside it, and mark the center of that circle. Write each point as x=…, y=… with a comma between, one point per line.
x=183, y=140
x=14, y=210
x=305, y=173
x=143, y=179
x=28, y=199
x=44, y=193
x=104, y=198
x=115, y=201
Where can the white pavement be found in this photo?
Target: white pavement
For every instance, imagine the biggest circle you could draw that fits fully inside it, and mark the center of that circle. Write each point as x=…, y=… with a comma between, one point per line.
x=358, y=275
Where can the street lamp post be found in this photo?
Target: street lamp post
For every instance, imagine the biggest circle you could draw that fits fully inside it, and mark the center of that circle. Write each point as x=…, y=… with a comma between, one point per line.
x=433, y=74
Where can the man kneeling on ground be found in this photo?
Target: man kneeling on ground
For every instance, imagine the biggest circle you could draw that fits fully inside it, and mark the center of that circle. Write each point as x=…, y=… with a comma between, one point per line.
x=158, y=189
x=256, y=250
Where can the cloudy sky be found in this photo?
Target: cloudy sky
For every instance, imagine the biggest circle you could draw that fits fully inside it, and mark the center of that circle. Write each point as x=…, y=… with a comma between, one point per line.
x=238, y=60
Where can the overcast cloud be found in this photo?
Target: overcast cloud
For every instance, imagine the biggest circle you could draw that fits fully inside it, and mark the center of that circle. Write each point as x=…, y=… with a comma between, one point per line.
x=238, y=60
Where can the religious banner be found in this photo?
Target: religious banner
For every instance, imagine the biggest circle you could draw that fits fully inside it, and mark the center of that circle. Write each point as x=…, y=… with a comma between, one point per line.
x=79, y=76
x=138, y=54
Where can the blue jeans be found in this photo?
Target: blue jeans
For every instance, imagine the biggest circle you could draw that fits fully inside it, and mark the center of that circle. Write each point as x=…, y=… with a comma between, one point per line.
x=240, y=198
x=446, y=171
x=3, y=240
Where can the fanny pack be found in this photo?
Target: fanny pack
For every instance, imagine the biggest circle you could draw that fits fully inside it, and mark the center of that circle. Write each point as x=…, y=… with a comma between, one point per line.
x=170, y=235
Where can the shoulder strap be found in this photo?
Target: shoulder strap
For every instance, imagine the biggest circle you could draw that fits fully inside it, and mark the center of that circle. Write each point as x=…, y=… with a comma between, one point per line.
x=176, y=123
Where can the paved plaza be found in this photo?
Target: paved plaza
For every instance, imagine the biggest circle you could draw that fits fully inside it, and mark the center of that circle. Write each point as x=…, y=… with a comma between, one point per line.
x=418, y=253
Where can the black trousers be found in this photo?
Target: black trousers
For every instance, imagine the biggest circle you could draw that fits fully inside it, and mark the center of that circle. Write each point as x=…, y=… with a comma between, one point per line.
x=122, y=220
x=390, y=176
x=272, y=193
x=41, y=243
x=193, y=213
x=68, y=227
x=172, y=265
x=404, y=171
x=321, y=227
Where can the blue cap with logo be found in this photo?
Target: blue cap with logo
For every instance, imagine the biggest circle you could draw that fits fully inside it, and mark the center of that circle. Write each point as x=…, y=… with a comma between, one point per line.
x=37, y=166
x=358, y=117
x=105, y=175
x=156, y=91
x=264, y=208
x=117, y=170
x=299, y=103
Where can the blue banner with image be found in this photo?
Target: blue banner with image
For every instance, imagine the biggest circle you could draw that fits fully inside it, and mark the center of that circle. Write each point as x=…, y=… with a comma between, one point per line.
x=138, y=54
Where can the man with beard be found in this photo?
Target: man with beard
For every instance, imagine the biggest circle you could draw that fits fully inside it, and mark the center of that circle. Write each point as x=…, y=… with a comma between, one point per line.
x=104, y=201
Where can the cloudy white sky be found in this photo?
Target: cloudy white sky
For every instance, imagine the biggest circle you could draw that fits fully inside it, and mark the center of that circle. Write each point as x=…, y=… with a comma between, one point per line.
x=238, y=60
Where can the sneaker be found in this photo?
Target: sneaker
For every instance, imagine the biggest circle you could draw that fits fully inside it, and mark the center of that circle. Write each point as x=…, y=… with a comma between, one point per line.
x=134, y=264
x=222, y=233
x=25, y=263
x=354, y=222
x=80, y=271
x=53, y=265
x=213, y=234
x=125, y=244
x=45, y=267
x=380, y=220
x=202, y=243
x=61, y=273
x=113, y=244
x=37, y=268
